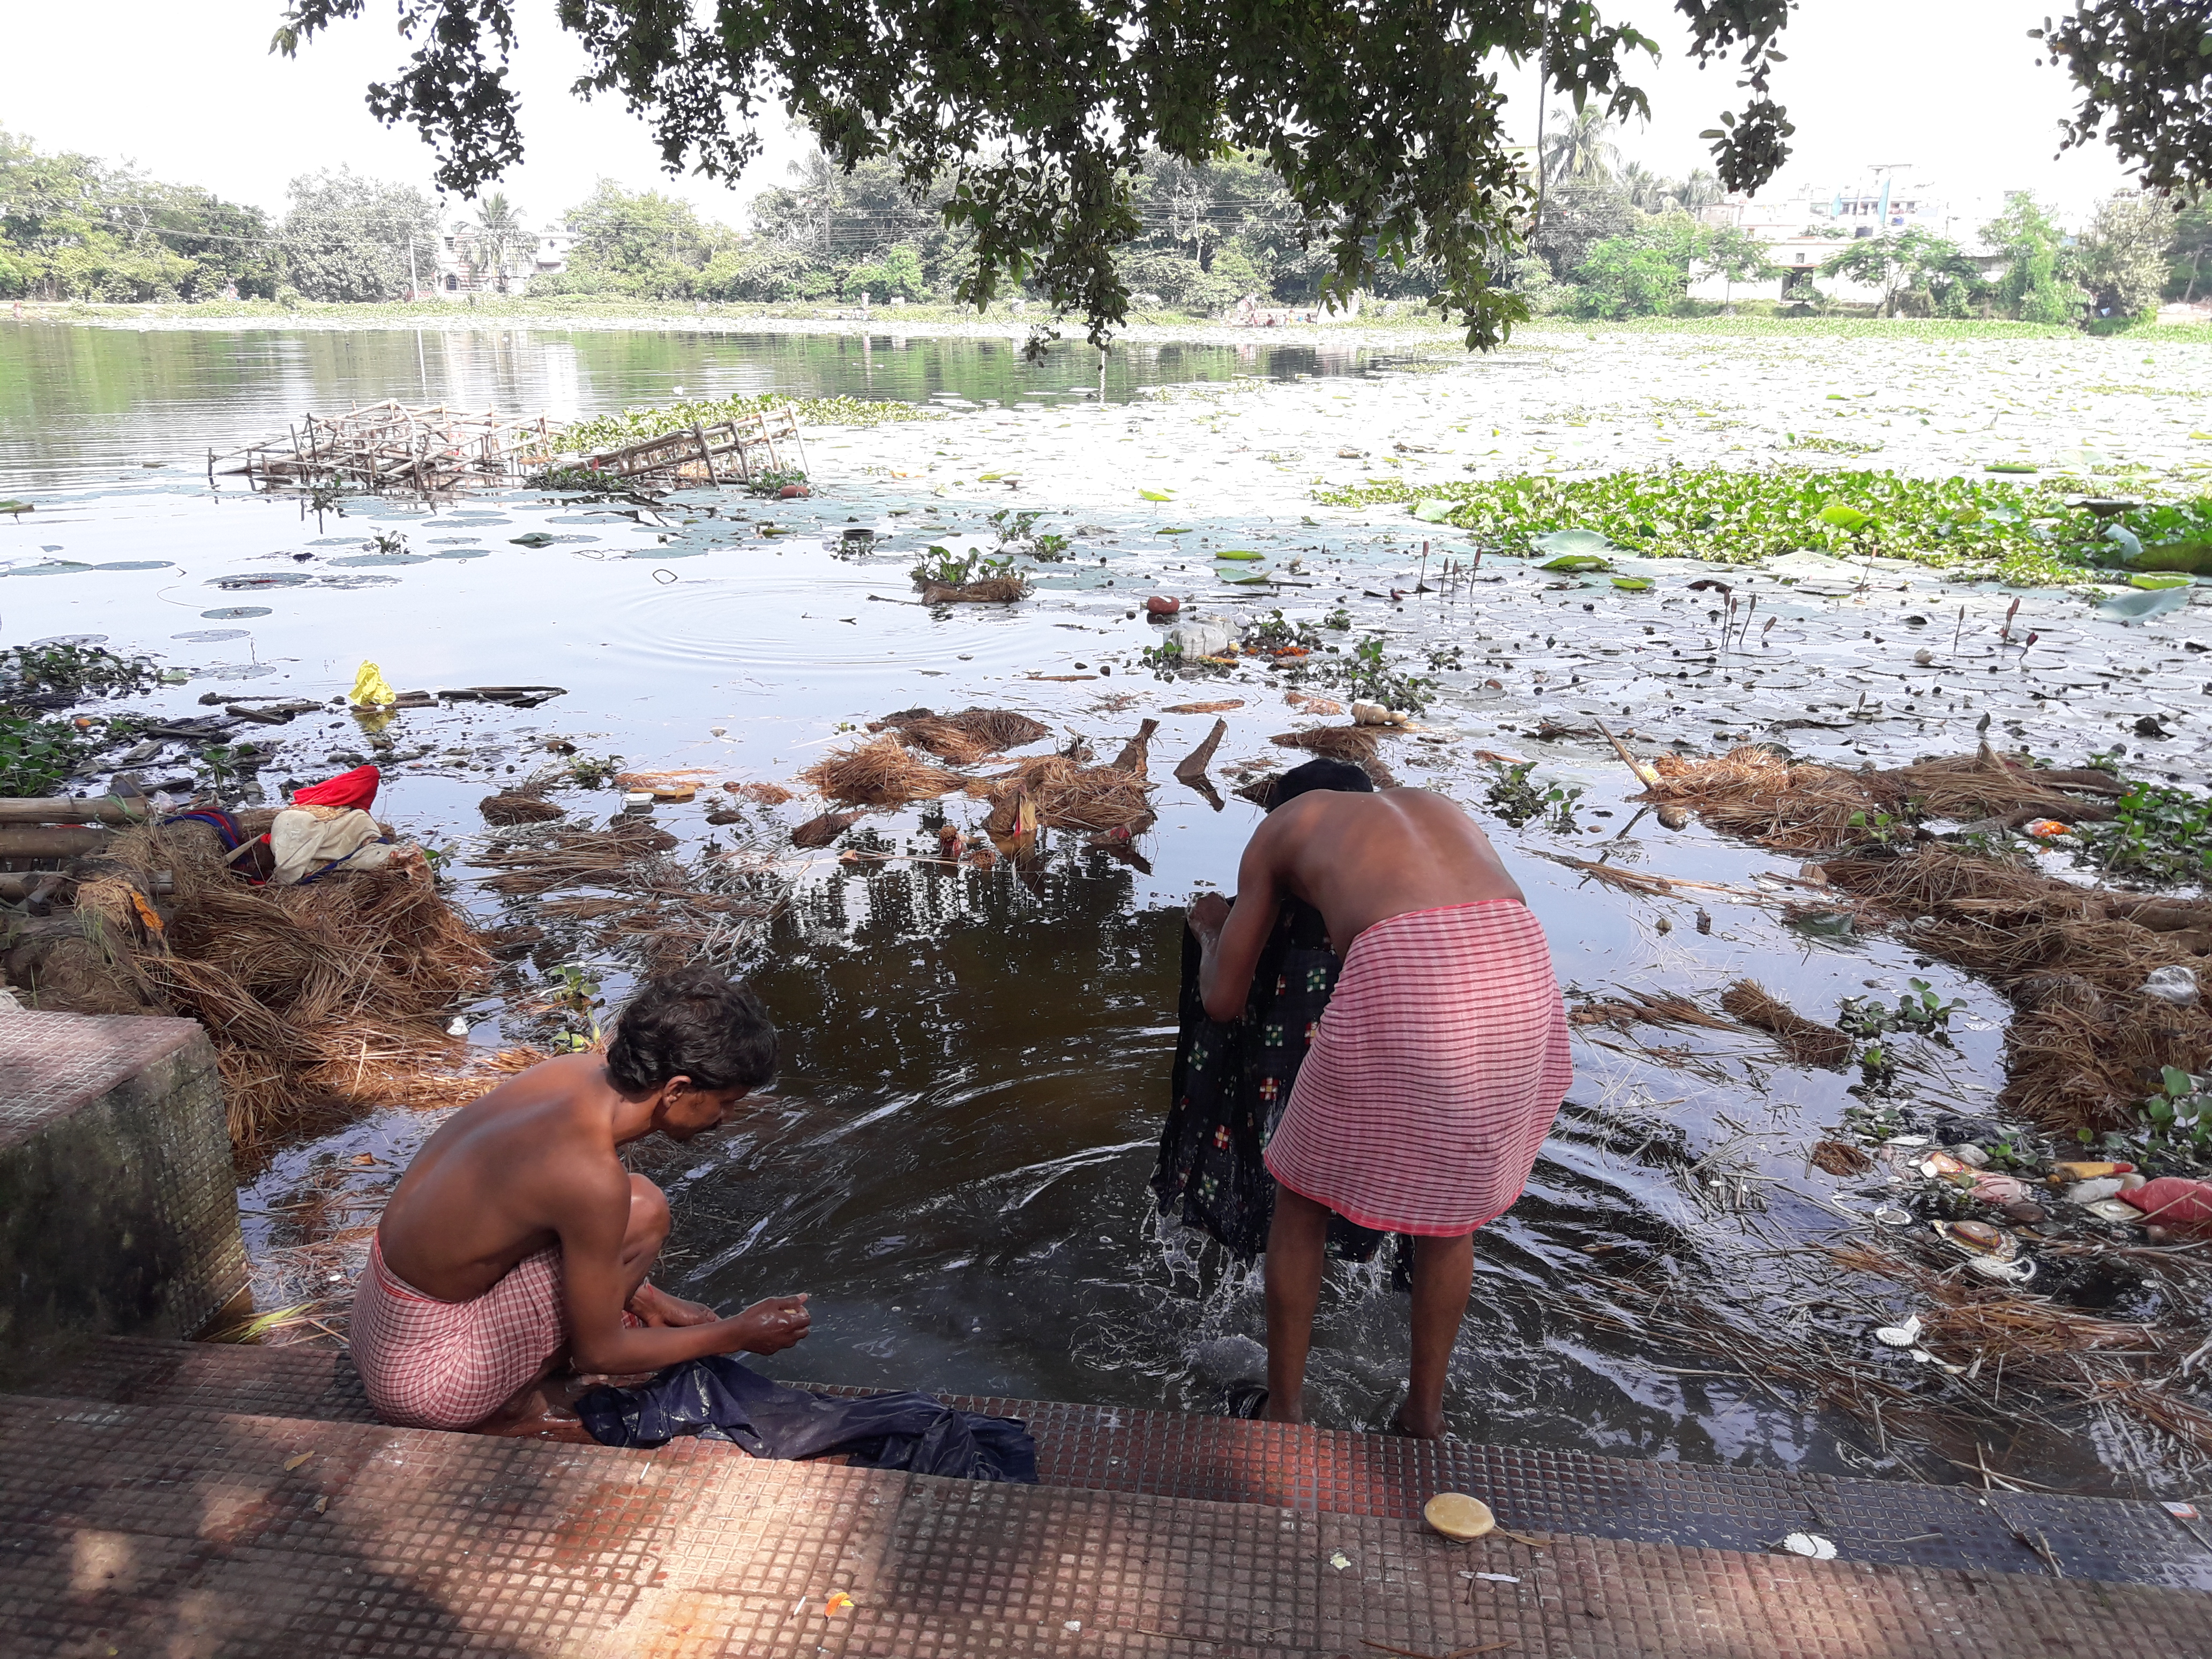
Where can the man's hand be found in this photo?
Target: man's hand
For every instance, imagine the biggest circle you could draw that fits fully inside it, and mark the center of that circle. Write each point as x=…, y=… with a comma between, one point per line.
x=773, y=1325
x=657, y=1308
x=1208, y=915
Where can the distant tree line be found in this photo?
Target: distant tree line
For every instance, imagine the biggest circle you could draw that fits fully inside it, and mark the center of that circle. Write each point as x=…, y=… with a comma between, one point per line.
x=1612, y=238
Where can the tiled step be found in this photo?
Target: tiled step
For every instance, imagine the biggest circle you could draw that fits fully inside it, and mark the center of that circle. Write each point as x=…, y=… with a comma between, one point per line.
x=1318, y=1471
x=186, y=1532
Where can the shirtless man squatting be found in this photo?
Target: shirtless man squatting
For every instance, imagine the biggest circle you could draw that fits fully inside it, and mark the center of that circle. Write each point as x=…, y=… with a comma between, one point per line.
x=516, y=1246
x=1438, y=1065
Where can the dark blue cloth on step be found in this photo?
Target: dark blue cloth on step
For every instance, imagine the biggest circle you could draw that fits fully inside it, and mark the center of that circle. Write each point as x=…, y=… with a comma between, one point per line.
x=722, y=1397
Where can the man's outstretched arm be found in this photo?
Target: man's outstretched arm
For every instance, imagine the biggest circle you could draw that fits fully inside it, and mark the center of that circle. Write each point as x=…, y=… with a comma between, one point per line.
x=595, y=1219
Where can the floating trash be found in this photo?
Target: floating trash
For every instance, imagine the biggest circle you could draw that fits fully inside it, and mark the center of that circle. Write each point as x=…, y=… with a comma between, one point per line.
x=1810, y=1544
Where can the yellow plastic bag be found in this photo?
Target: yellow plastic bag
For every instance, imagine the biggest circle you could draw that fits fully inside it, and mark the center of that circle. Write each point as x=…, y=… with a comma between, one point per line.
x=371, y=689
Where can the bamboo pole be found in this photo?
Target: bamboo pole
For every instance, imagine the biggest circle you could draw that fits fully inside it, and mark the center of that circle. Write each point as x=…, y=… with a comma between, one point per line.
x=60, y=809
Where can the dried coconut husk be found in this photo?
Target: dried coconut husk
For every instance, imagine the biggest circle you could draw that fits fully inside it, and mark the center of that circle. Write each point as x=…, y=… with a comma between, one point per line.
x=1066, y=794
x=992, y=590
x=879, y=773
x=514, y=806
x=1805, y=1041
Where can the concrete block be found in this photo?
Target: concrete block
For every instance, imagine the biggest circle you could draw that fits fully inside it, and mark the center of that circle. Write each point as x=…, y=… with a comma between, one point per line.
x=118, y=1210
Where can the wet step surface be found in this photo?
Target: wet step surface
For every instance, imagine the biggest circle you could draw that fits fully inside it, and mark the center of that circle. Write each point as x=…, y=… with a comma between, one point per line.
x=189, y=1531
x=1310, y=1471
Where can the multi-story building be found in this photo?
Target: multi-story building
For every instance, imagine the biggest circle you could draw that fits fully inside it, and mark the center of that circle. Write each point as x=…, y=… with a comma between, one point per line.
x=1802, y=230
x=466, y=264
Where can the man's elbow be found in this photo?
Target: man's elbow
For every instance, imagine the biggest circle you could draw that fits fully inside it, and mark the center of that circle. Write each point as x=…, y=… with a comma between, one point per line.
x=1220, y=1006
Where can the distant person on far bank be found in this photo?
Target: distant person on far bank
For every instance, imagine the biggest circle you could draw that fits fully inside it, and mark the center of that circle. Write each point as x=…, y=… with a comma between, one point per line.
x=1435, y=1072
x=516, y=1248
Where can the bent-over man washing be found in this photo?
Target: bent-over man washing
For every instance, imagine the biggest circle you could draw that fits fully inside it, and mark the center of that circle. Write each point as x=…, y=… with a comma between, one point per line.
x=516, y=1244
x=1437, y=1068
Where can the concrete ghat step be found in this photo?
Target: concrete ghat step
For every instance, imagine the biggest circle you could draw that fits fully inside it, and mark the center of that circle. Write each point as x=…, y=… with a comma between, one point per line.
x=135, y=1529
x=1317, y=1470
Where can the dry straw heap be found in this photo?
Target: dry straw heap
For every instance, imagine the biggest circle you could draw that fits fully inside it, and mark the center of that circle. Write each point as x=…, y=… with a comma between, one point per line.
x=335, y=992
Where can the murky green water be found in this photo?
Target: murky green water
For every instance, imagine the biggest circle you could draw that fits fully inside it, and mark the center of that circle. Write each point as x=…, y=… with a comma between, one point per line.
x=954, y=1161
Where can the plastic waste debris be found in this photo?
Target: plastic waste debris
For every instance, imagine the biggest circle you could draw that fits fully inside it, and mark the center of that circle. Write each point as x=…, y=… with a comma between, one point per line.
x=459, y=1027
x=371, y=689
x=1899, y=1336
x=2088, y=1192
x=2174, y=1201
x=2174, y=984
x=2047, y=829
x=1811, y=1545
x=2116, y=1209
x=1376, y=713
x=2086, y=1171
x=1161, y=605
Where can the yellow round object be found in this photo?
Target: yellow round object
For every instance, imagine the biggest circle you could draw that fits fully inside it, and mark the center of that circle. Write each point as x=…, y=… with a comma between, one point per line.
x=1457, y=1516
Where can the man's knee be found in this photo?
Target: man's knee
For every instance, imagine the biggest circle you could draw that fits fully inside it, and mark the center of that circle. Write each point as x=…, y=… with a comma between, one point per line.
x=648, y=1210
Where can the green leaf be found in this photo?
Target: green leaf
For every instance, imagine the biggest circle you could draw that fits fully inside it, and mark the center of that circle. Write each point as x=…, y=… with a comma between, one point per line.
x=1432, y=509
x=2176, y=1080
x=1632, y=584
x=1574, y=540
x=1844, y=517
x=12, y=506
x=2010, y=466
x=1572, y=561
x=2138, y=607
x=1157, y=494
x=534, y=539
x=2155, y=583
x=1176, y=530
x=1245, y=553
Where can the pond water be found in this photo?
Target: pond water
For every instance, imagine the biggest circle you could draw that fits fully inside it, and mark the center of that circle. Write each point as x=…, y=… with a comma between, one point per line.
x=81, y=405
x=954, y=1160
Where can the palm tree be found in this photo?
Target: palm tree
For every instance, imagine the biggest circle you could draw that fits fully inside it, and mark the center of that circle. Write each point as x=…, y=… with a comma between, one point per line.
x=1699, y=190
x=1579, y=149
x=498, y=236
x=1646, y=188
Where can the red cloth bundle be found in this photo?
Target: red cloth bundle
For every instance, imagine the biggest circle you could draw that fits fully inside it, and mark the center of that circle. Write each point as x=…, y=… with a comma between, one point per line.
x=355, y=788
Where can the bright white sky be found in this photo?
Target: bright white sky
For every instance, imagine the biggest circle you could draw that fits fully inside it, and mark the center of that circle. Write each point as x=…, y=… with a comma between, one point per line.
x=1950, y=87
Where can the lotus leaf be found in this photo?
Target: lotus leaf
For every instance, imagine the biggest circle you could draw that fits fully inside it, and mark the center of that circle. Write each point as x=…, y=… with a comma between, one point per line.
x=1574, y=540
x=2140, y=607
x=12, y=506
x=2195, y=558
x=1633, y=583
x=1577, y=561
x=1245, y=553
x=2159, y=584
x=1157, y=494
x=1432, y=509
x=1844, y=517
x=2011, y=466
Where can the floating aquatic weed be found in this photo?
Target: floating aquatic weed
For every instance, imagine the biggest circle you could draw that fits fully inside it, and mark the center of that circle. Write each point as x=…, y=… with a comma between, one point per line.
x=611, y=431
x=2025, y=534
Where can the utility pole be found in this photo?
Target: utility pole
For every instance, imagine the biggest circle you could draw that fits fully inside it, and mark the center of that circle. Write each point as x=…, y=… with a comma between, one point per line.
x=414, y=285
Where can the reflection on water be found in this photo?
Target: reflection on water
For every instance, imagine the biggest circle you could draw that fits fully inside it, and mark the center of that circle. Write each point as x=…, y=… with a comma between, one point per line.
x=79, y=405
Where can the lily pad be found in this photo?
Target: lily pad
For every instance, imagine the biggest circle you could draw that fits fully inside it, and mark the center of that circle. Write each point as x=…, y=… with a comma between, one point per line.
x=375, y=560
x=1576, y=561
x=48, y=567
x=534, y=539
x=1157, y=494
x=236, y=613
x=1176, y=530
x=2159, y=584
x=1632, y=584
x=16, y=507
x=1844, y=517
x=2011, y=466
x=1248, y=582
x=2194, y=557
x=1433, y=509
x=1244, y=553
x=136, y=564
x=2141, y=606
x=1573, y=541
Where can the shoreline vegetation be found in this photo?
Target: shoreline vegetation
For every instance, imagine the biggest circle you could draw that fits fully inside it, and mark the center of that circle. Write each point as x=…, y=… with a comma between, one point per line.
x=1399, y=324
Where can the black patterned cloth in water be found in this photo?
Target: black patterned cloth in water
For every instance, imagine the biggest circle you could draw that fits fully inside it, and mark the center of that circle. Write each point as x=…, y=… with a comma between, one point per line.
x=1232, y=1079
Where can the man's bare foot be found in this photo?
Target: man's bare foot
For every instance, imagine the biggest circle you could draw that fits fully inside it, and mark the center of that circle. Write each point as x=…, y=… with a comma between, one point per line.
x=1418, y=1427
x=546, y=1410
x=1284, y=1409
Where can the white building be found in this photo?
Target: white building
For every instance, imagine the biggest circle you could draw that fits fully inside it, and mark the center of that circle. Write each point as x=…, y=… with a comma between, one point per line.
x=466, y=266
x=1803, y=229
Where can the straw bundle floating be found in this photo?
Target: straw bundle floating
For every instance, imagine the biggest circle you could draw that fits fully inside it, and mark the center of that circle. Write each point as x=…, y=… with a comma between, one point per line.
x=1805, y=1041
x=965, y=737
x=992, y=590
x=574, y=858
x=1758, y=793
x=1063, y=794
x=821, y=831
x=762, y=795
x=515, y=806
x=879, y=773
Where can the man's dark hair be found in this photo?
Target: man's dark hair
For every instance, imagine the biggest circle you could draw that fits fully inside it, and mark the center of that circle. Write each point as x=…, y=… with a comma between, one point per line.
x=1319, y=774
x=694, y=1023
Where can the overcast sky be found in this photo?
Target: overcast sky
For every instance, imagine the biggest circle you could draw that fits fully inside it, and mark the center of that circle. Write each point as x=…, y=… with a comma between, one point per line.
x=188, y=91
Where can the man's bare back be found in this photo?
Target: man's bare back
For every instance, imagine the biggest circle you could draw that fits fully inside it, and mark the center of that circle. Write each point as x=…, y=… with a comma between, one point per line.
x=530, y=1176
x=1358, y=859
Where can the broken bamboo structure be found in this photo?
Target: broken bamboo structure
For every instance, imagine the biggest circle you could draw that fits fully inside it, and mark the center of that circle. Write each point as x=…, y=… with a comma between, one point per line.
x=393, y=445
x=741, y=450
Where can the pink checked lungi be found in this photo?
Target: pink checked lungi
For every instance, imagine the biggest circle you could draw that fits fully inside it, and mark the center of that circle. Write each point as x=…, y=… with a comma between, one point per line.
x=1440, y=1062
x=433, y=1364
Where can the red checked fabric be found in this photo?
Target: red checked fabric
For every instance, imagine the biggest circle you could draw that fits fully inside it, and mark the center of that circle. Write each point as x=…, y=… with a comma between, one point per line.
x=433, y=1364
x=1439, y=1065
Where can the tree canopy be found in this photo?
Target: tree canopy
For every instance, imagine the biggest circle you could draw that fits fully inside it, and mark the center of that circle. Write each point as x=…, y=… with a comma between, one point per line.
x=1380, y=120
